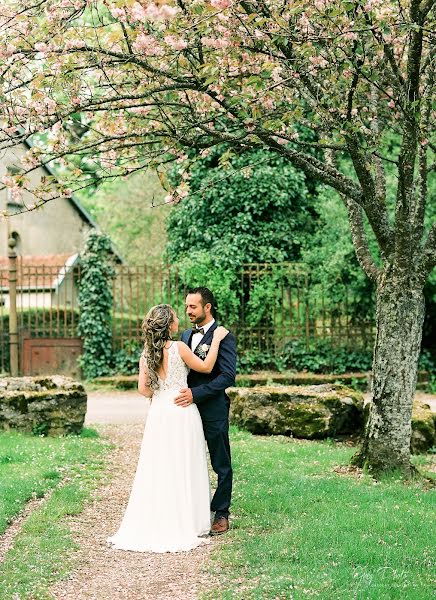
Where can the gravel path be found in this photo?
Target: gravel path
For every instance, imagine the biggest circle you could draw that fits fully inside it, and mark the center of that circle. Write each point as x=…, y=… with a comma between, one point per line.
x=103, y=573
x=116, y=407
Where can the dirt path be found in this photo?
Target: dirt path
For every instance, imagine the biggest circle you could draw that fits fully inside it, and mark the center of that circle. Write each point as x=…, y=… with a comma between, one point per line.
x=103, y=573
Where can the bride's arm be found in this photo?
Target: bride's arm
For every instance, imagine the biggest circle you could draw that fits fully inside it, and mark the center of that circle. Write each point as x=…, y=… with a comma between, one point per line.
x=196, y=363
x=143, y=379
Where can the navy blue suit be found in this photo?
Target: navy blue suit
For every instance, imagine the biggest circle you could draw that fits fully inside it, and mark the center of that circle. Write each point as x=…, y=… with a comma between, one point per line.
x=208, y=391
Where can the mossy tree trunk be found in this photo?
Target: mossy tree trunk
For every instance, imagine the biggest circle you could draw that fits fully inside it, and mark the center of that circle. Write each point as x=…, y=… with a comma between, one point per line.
x=400, y=317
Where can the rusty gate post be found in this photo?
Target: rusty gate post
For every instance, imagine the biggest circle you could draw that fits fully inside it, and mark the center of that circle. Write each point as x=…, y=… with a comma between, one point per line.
x=13, y=325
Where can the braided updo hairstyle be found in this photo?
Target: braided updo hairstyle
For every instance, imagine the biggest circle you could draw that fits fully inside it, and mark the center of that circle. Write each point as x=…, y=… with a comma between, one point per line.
x=156, y=333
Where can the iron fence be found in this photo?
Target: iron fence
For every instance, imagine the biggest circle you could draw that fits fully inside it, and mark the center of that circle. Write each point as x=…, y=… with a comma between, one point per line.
x=276, y=305
x=47, y=304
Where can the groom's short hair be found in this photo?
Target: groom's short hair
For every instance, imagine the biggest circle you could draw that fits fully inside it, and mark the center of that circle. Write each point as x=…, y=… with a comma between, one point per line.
x=206, y=297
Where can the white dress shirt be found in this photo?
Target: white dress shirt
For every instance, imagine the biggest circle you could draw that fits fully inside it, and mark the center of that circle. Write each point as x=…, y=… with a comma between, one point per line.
x=197, y=337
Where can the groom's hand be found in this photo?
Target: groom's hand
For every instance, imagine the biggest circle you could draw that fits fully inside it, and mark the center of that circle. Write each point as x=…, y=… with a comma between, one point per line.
x=184, y=398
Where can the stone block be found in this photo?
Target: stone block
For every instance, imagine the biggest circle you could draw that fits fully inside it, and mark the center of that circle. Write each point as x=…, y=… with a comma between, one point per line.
x=50, y=405
x=310, y=412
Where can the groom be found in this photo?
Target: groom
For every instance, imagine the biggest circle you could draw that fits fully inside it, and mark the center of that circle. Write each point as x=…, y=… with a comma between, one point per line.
x=207, y=391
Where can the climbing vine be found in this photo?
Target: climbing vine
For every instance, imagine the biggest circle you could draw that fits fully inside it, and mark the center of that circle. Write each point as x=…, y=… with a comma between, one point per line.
x=95, y=301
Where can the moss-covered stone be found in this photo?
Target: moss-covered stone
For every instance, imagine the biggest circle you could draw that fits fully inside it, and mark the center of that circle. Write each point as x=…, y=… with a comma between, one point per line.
x=42, y=405
x=310, y=412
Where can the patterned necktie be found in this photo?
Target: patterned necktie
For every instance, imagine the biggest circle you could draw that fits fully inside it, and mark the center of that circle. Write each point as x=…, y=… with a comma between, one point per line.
x=197, y=330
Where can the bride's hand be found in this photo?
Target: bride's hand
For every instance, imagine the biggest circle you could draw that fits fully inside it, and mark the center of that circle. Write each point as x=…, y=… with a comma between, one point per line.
x=220, y=333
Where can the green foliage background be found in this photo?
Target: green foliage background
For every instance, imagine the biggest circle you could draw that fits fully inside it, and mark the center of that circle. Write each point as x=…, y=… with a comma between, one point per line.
x=251, y=207
x=132, y=213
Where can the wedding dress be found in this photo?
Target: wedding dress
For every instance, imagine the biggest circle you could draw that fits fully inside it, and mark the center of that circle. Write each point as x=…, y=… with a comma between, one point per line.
x=169, y=505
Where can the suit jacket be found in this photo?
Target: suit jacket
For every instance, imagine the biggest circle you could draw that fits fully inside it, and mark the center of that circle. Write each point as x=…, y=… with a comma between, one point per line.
x=208, y=389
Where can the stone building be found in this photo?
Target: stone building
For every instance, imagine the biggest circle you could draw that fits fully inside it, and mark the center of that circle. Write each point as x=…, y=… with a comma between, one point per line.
x=58, y=228
x=48, y=243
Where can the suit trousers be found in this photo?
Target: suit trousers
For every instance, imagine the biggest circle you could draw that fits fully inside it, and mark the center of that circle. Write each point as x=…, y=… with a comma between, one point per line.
x=217, y=439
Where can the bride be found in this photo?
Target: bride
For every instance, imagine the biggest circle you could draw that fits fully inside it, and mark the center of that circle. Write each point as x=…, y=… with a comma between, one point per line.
x=169, y=505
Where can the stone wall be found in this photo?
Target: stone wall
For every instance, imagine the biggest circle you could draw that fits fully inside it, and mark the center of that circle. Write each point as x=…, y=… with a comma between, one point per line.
x=42, y=405
x=310, y=412
x=317, y=411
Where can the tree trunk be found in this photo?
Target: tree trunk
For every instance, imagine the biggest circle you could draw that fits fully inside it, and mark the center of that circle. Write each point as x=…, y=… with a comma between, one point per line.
x=400, y=317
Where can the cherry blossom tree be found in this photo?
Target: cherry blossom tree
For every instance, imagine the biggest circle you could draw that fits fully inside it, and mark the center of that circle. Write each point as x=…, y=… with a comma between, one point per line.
x=120, y=84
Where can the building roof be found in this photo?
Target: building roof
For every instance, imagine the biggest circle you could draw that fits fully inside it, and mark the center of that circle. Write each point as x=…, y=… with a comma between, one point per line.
x=38, y=272
x=76, y=204
x=78, y=207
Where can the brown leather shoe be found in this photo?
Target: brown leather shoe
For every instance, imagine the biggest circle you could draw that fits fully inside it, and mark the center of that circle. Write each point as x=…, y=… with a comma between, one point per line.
x=220, y=526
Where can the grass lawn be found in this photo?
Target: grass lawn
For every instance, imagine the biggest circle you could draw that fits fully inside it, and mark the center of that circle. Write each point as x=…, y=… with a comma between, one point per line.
x=302, y=530
x=29, y=467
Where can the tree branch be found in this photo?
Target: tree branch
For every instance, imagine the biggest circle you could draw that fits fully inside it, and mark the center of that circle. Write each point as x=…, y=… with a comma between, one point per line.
x=374, y=206
x=404, y=248
x=360, y=239
x=425, y=7
x=316, y=168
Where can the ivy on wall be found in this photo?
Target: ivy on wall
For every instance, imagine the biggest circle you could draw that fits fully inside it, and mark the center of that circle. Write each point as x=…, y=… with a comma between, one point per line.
x=95, y=301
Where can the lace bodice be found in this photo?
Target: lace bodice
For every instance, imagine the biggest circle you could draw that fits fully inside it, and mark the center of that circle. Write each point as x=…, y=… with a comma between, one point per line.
x=177, y=371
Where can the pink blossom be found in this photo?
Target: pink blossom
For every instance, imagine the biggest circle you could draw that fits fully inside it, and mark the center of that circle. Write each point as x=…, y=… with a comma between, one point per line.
x=8, y=181
x=140, y=110
x=269, y=103
x=220, y=4
x=12, y=130
x=350, y=35
x=318, y=61
x=181, y=192
x=16, y=193
x=147, y=45
x=41, y=47
x=73, y=43
x=51, y=105
x=118, y=13
x=276, y=73
x=175, y=42
x=7, y=52
x=391, y=104
x=56, y=127
x=162, y=12
x=138, y=12
x=217, y=43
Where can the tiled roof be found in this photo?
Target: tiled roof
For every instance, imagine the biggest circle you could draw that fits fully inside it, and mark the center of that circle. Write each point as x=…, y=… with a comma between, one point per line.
x=37, y=272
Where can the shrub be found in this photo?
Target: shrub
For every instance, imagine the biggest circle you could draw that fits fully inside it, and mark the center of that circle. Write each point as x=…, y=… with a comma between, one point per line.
x=318, y=357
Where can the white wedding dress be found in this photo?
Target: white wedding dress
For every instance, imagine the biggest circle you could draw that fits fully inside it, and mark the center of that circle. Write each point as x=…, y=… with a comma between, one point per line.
x=169, y=505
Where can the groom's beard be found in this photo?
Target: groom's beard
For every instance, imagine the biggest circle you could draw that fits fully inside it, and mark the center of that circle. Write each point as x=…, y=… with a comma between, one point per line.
x=199, y=319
